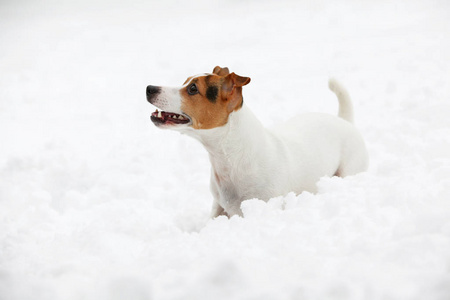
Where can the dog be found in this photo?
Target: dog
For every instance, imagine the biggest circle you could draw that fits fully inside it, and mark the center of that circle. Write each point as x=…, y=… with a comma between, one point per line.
x=249, y=161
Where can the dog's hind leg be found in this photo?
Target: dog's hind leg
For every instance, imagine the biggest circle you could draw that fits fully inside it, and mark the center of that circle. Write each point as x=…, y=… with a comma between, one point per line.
x=353, y=163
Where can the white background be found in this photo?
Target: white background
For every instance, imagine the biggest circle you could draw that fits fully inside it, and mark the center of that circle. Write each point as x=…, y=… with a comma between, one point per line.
x=97, y=203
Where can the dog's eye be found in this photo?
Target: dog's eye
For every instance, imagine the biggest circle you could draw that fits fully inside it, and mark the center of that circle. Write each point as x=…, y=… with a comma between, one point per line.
x=192, y=89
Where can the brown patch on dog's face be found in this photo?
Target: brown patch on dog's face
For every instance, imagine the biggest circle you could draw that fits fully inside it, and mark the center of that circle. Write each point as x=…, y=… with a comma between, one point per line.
x=208, y=100
x=205, y=112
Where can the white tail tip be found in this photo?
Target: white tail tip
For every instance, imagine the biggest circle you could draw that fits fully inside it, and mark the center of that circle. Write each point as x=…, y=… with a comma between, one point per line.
x=333, y=85
x=345, y=104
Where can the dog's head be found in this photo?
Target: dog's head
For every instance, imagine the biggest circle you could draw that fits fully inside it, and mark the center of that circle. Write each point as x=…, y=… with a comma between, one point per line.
x=203, y=102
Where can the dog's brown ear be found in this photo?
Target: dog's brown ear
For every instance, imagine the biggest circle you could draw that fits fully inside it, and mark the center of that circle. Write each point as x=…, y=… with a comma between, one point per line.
x=239, y=81
x=232, y=81
x=232, y=90
x=221, y=71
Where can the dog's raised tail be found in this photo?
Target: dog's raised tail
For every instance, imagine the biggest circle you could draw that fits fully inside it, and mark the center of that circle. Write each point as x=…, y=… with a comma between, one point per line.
x=345, y=103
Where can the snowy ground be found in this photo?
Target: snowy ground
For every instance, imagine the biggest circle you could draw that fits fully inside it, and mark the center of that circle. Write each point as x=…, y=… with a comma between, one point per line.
x=97, y=203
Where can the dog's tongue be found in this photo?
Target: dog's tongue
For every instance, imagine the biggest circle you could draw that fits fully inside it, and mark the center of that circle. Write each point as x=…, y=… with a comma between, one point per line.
x=167, y=117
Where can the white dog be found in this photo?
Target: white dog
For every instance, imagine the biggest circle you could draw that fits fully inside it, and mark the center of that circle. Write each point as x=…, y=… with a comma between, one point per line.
x=249, y=161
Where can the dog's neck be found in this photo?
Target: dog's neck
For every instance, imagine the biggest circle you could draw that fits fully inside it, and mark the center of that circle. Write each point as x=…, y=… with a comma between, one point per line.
x=233, y=144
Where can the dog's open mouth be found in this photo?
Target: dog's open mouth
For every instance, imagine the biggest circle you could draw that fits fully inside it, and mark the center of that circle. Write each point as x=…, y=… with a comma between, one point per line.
x=162, y=118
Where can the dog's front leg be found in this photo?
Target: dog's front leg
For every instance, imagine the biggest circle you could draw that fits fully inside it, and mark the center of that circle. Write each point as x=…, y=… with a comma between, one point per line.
x=218, y=210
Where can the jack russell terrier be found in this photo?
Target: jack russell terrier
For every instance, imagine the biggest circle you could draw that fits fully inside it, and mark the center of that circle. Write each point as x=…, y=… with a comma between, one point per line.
x=249, y=161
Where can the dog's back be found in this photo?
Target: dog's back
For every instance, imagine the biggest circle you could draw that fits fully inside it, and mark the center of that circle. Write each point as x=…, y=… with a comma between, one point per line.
x=323, y=144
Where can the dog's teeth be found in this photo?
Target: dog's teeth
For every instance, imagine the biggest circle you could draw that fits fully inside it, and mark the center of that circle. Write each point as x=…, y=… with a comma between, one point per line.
x=180, y=117
x=159, y=114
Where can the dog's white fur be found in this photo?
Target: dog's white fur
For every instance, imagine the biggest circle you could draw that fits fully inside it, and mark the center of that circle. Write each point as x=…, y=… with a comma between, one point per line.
x=249, y=161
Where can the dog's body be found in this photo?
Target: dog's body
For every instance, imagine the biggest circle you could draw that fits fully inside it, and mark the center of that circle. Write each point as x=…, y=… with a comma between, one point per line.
x=249, y=161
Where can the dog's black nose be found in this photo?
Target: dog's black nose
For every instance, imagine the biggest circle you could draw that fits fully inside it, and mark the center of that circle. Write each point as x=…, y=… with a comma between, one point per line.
x=152, y=90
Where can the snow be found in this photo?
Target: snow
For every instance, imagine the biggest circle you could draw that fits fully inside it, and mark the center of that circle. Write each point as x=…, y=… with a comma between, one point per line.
x=97, y=203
